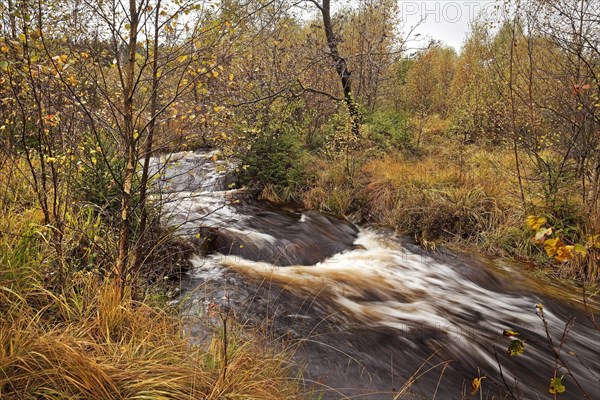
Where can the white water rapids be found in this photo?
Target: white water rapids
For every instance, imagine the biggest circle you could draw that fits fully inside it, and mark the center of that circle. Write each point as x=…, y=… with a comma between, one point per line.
x=371, y=309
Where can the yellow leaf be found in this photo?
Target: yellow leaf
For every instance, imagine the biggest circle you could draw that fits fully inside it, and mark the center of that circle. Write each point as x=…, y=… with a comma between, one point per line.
x=215, y=73
x=535, y=222
x=136, y=134
x=551, y=245
x=94, y=161
x=516, y=347
x=476, y=384
x=564, y=253
x=539, y=308
x=556, y=386
x=182, y=58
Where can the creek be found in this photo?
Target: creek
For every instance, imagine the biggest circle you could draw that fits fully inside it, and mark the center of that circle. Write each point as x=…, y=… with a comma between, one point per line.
x=370, y=310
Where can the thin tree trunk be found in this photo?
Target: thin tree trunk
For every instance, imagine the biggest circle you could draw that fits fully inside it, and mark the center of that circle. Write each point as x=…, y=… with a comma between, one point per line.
x=12, y=19
x=341, y=66
x=149, y=142
x=514, y=116
x=129, y=143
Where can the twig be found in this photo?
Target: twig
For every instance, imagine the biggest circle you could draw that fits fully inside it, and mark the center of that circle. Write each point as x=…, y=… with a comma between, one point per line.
x=502, y=374
x=224, y=318
x=557, y=357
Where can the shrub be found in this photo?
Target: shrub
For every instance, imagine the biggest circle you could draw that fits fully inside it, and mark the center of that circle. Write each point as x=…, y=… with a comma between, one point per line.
x=94, y=182
x=276, y=155
x=388, y=130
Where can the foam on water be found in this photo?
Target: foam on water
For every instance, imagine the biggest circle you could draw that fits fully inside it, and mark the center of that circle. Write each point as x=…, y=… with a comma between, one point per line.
x=384, y=285
x=408, y=287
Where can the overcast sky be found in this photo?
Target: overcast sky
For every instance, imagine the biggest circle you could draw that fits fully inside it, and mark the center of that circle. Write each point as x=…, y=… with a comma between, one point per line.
x=445, y=20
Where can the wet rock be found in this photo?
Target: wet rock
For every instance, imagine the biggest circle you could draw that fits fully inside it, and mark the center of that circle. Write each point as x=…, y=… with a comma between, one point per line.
x=283, y=237
x=204, y=241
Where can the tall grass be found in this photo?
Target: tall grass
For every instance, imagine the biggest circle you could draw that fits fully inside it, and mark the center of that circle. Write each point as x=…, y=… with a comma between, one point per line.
x=431, y=196
x=89, y=340
x=91, y=344
x=430, y=199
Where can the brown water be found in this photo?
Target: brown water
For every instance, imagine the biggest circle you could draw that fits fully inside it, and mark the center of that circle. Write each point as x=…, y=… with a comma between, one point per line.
x=371, y=311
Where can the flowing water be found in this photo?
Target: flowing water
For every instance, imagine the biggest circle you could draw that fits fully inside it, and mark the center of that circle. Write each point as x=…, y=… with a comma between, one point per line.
x=369, y=310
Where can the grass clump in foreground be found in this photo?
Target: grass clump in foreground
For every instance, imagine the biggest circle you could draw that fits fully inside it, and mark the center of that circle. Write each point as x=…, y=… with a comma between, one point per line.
x=91, y=341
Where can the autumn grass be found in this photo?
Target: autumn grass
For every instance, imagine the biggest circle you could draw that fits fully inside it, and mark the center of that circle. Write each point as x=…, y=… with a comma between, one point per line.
x=446, y=191
x=89, y=340
x=430, y=197
x=98, y=346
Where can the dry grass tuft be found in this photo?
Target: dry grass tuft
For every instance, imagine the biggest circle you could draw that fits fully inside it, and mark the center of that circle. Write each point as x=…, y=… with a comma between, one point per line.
x=90, y=343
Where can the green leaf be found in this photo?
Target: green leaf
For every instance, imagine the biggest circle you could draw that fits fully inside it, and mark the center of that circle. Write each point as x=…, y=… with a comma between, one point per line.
x=4, y=65
x=556, y=386
x=516, y=347
x=580, y=249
